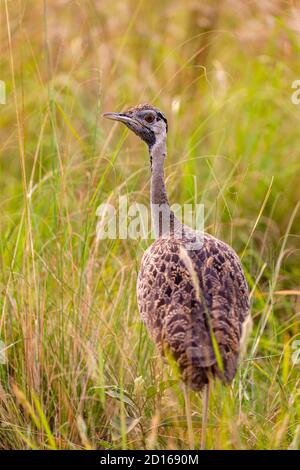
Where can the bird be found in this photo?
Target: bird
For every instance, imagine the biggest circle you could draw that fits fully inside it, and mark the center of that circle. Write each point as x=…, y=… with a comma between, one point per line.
x=192, y=292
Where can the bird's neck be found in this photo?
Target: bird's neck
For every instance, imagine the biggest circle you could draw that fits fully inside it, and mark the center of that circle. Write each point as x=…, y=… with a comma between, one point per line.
x=162, y=216
x=158, y=190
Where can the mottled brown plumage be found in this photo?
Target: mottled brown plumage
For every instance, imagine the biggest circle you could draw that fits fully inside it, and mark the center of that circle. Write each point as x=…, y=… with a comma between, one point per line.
x=181, y=322
x=194, y=302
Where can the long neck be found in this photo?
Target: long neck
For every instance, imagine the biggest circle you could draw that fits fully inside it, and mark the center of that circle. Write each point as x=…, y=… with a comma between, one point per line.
x=162, y=216
x=158, y=189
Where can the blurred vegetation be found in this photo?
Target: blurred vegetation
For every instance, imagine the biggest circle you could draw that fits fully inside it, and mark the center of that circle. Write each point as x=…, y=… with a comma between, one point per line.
x=81, y=370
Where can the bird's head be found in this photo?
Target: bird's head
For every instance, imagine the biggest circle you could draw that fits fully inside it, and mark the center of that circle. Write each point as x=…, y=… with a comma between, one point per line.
x=147, y=122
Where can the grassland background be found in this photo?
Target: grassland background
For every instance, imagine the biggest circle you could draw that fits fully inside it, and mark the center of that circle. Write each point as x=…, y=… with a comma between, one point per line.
x=81, y=371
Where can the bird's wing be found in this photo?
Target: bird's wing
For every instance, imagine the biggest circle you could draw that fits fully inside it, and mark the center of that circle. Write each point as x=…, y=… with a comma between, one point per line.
x=224, y=296
x=186, y=312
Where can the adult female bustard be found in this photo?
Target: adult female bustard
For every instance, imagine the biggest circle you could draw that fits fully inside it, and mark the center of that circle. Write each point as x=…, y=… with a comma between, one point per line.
x=191, y=290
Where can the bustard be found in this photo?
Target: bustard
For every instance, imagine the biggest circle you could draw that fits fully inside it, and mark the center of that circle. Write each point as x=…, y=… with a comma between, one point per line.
x=194, y=301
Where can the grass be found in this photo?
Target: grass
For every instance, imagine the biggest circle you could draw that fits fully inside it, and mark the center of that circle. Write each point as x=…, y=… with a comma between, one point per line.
x=81, y=370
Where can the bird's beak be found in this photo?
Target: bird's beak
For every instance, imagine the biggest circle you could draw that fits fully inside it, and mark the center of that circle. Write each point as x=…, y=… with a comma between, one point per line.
x=121, y=117
x=134, y=124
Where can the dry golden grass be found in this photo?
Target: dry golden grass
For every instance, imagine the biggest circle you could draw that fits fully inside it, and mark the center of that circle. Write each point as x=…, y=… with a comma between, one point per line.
x=82, y=371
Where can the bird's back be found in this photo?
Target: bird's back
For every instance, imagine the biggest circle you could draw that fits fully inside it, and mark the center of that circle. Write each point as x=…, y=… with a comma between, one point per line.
x=194, y=308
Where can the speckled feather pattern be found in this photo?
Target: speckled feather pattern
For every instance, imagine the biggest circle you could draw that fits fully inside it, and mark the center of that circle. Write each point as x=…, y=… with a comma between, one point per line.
x=181, y=322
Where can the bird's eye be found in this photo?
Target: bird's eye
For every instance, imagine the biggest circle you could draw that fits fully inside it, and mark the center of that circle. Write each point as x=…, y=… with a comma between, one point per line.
x=149, y=118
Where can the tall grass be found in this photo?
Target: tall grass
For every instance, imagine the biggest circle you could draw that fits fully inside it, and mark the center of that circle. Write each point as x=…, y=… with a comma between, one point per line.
x=81, y=371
